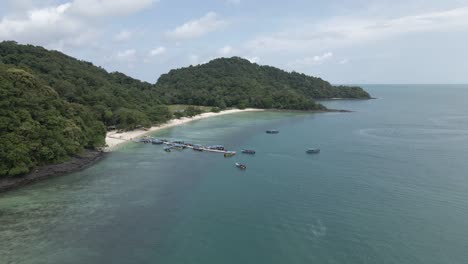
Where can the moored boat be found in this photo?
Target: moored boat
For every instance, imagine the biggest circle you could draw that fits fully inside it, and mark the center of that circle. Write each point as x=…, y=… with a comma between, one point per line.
x=217, y=147
x=144, y=140
x=248, y=151
x=167, y=149
x=313, y=151
x=197, y=148
x=156, y=142
x=241, y=166
x=228, y=154
x=179, y=146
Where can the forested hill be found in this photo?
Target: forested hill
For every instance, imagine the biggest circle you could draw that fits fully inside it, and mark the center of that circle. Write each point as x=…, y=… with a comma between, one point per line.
x=236, y=82
x=114, y=98
x=37, y=127
x=53, y=106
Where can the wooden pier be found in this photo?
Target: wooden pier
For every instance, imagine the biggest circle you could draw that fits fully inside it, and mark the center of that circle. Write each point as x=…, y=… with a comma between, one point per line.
x=148, y=140
x=203, y=149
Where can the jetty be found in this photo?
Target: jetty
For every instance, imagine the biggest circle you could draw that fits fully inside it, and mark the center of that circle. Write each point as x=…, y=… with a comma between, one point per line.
x=204, y=149
x=178, y=144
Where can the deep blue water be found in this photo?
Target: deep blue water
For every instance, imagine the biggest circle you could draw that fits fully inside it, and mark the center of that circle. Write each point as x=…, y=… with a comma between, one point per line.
x=389, y=186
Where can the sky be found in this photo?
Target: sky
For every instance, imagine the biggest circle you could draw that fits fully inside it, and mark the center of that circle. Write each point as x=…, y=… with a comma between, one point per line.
x=344, y=42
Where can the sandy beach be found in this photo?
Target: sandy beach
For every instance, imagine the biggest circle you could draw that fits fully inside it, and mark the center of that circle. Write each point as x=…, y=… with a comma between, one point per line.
x=114, y=138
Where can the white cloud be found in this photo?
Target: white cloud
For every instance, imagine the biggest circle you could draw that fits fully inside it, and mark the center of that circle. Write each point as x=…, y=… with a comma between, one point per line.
x=123, y=35
x=198, y=27
x=105, y=8
x=157, y=51
x=126, y=54
x=341, y=31
x=49, y=23
x=71, y=23
x=225, y=51
x=309, y=61
x=322, y=58
x=253, y=59
x=343, y=61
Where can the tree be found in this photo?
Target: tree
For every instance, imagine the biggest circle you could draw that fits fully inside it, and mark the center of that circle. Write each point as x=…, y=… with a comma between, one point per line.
x=235, y=82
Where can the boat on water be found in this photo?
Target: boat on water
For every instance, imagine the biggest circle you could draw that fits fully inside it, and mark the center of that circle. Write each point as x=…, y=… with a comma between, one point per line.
x=167, y=149
x=272, y=131
x=248, y=151
x=241, y=166
x=313, y=151
x=217, y=147
x=228, y=154
x=179, y=146
x=197, y=147
x=144, y=140
x=157, y=142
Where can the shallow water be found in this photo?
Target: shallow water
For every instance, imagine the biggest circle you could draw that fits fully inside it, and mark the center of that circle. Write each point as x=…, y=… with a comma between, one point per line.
x=389, y=186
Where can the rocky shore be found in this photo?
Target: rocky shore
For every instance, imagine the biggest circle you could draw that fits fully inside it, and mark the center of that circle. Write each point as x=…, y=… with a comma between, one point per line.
x=74, y=164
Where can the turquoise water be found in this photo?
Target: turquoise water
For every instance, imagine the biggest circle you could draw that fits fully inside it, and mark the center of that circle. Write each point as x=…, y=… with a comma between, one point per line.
x=389, y=186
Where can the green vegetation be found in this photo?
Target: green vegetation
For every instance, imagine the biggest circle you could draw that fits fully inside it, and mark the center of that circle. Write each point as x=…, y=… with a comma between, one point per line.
x=114, y=98
x=189, y=111
x=180, y=108
x=179, y=111
x=53, y=106
x=37, y=126
x=235, y=82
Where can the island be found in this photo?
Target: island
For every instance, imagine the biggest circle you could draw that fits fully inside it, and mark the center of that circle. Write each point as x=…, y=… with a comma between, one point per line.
x=55, y=108
x=236, y=82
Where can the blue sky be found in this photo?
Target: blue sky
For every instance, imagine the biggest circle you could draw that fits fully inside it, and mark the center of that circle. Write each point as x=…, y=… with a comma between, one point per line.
x=359, y=41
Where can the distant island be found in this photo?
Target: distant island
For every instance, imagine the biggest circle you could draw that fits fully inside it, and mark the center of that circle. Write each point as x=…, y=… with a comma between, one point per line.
x=53, y=106
x=236, y=82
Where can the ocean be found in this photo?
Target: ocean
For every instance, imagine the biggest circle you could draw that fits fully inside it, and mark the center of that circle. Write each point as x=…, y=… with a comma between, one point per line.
x=390, y=185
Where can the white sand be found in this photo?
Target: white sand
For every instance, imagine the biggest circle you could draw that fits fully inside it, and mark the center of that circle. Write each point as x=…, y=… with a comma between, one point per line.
x=114, y=138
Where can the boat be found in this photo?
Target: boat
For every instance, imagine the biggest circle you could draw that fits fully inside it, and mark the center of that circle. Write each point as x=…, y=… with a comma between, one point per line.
x=217, y=147
x=197, y=148
x=312, y=151
x=229, y=154
x=272, y=131
x=241, y=166
x=179, y=146
x=156, y=142
x=167, y=149
x=178, y=142
x=248, y=151
x=144, y=140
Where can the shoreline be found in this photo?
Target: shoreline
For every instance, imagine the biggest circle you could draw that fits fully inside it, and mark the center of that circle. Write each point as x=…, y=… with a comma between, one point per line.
x=90, y=157
x=74, y=164
x=115, y=139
